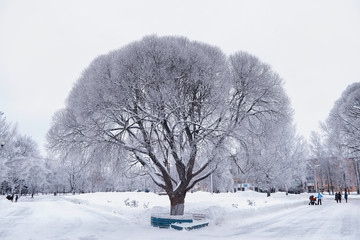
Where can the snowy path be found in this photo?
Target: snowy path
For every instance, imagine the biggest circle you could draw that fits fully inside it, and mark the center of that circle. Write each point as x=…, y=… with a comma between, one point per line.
x=328, y=221
x=54, y=218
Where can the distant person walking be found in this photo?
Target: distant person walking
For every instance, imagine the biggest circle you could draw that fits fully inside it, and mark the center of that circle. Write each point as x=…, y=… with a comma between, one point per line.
x=339, y=196
x=319, y=196
x=336, y=197
x=345, y=195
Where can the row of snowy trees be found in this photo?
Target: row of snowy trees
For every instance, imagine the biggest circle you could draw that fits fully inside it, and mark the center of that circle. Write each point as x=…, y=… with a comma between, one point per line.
x=24, y=171
x=336, y=150
x=179, y=111
x=21, y=167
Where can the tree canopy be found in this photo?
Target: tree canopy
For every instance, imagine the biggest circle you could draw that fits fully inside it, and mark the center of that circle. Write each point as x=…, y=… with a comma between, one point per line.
x=176, y=107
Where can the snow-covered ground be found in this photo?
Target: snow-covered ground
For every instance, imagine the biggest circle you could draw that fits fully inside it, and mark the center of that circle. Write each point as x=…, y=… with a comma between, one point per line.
x=242, y=215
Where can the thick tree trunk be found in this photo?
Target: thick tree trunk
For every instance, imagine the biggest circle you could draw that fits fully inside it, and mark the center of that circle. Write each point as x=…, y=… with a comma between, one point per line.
x=177, y=204
x=356, y=170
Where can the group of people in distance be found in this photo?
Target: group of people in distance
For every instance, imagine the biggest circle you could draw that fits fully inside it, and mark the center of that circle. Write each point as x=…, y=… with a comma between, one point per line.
x=338, y=196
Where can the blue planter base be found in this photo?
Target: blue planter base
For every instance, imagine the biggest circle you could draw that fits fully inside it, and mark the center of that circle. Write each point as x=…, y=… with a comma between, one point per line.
x=177, y=222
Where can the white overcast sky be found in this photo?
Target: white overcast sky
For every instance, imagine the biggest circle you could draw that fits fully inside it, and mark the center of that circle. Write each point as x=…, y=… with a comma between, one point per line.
x=45, y=45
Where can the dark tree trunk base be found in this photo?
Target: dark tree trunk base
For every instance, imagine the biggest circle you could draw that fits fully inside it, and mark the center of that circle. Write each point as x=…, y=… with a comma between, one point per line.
x=177, y=204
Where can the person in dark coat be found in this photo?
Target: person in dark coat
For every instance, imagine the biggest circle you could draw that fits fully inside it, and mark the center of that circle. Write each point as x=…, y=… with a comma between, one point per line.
x=336, y=197
x=339, y=196
x=10, y=197
x=345, y=196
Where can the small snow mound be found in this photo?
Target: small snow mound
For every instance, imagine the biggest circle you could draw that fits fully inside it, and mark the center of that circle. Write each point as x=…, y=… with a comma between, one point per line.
x=215, y=214
x=159, y=210
x=77, y=201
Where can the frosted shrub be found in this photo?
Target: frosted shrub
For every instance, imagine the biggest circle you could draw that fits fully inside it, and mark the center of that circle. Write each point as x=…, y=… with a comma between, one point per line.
x=127, y=202
x=251, y=202
x=131, y=203
x=134, y=203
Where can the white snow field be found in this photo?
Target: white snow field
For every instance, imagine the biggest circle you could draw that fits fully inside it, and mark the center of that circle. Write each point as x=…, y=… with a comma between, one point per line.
x=242, y=215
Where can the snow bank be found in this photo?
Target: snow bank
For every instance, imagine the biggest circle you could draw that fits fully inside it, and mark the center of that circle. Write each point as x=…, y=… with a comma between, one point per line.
x=126, y=215
x=137, y=207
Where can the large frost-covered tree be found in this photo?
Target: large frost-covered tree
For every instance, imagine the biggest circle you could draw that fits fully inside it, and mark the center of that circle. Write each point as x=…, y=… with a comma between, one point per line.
x=169, y=104
x=343, y=132
x=263, y=137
